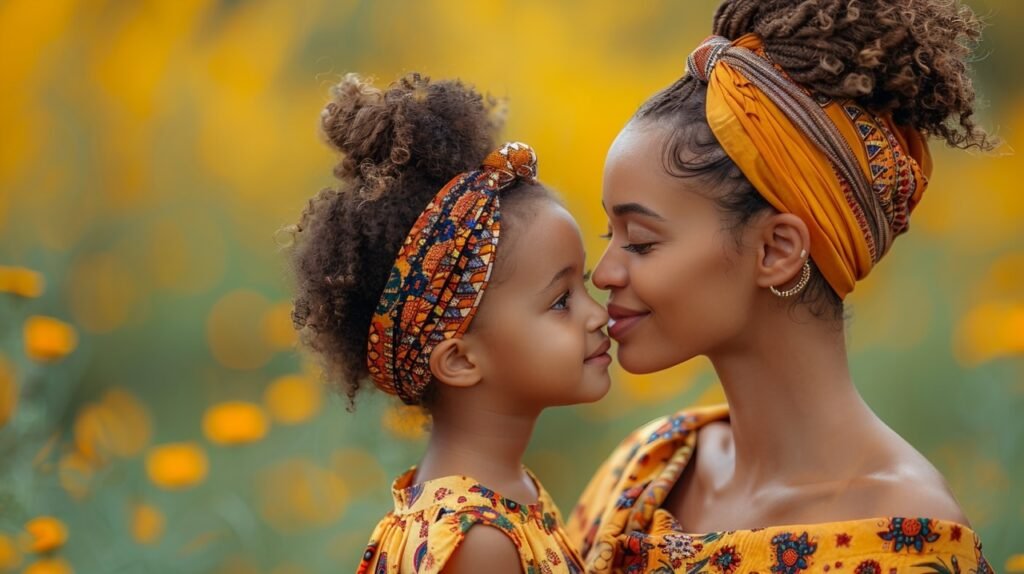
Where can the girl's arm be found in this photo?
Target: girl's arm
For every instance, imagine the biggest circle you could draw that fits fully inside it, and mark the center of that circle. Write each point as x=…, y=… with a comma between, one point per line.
x=484, y=549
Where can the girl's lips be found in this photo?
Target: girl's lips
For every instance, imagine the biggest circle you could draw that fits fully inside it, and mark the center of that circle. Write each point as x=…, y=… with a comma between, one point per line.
x=622, y=320
x=600, y=355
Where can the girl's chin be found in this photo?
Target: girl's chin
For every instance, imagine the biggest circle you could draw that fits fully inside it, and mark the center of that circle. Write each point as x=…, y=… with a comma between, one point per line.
x=595, y=387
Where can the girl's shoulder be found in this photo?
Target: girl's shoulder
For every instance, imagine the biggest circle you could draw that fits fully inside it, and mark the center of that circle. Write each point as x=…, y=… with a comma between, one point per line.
x=432, y=518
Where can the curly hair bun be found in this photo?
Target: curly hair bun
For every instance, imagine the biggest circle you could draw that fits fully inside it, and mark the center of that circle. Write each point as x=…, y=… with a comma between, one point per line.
x=905, y=57
x=434, y=129
x=398, y=146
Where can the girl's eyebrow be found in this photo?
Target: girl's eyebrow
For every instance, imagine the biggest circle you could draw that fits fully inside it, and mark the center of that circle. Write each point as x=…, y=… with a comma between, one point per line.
x=635, y=209
x=562, y=273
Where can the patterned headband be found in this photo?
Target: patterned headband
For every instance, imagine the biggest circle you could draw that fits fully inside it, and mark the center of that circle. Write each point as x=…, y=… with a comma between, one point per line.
x=442, y=269
x=853, y=176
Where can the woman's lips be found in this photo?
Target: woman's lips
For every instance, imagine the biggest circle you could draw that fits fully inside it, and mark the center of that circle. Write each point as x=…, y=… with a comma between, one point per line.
x=600, y=355
x=622, y=320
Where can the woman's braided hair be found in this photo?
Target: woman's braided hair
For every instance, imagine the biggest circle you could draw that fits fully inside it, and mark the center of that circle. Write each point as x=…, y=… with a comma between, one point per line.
x=908, y=58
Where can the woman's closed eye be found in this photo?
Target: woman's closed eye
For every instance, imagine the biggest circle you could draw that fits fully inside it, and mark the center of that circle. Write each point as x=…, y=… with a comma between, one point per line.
x=638, y=248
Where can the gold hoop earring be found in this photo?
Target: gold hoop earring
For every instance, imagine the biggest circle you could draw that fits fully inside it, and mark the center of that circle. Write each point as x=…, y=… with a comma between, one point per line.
x=805, y=277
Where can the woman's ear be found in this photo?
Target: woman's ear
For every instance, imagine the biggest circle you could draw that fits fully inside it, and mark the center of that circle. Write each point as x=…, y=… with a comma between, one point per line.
x=785, y=246
x=453, y=362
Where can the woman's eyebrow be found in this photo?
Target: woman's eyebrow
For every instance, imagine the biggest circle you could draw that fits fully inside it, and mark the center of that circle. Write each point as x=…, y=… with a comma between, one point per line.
x=635, y=209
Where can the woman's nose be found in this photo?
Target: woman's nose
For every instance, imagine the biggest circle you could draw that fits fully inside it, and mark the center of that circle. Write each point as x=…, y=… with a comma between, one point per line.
x=609, y=273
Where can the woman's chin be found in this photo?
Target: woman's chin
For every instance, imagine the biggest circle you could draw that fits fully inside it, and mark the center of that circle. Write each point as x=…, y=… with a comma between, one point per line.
x=644, y=359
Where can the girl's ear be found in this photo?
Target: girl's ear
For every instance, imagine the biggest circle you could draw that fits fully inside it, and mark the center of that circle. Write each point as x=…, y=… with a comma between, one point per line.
x=453, y=362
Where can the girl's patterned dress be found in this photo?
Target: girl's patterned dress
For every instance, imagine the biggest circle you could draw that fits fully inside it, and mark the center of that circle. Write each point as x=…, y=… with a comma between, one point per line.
x=431, y=518
x=619, y=525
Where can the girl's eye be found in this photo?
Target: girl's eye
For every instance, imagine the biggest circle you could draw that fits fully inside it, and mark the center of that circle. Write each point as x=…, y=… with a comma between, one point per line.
x=563, y=302
x=638, y=248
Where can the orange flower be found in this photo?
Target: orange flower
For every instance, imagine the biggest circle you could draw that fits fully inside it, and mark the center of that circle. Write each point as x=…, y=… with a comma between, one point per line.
x=48, y=339
x=92, y=432
x=293, y=399
x=75, y=473
x=8, y=392
x=10, y=558
x=234, y=422
x=116, y=425
x=234, y=330
x=49, y=566
x=130, y=422
x=278, y=329
x=20, y=281
x=297, y=493
x=406, y=422
x=990, y=330
x=360, y=470
x=47, y=532
x=147, y=523
x=177, y=465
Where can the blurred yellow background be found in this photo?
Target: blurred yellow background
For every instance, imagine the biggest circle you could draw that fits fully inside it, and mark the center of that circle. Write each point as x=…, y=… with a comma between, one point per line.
x=155, y=415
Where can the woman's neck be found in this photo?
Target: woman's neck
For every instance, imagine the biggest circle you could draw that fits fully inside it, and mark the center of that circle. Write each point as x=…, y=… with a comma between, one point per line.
x=486, y=444
x=794, y=409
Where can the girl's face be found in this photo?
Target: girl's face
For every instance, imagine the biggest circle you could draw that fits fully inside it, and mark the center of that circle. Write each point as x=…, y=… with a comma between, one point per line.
x=679, y=287
x=539, y=333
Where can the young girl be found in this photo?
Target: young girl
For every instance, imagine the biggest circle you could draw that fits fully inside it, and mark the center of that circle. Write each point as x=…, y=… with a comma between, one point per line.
x=392, y=270
x=745, y=201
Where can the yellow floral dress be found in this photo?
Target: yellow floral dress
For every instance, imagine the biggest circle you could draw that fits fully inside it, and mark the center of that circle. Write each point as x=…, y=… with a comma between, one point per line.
x=431, y=518
x=619, y=525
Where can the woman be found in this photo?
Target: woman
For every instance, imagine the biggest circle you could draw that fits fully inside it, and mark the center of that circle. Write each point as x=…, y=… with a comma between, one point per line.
x=744, y=203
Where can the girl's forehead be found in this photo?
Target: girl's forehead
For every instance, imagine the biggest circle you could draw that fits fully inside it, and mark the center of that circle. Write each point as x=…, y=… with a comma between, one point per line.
x=541, y=246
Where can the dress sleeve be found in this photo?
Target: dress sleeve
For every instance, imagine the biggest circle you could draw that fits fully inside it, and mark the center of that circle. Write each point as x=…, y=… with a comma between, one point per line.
x=935, y=562
x=449, y=530
x=383, y=554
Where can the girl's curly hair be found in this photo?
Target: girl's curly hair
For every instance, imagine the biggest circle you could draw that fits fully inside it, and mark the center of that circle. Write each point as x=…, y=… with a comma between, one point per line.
x=399, y=146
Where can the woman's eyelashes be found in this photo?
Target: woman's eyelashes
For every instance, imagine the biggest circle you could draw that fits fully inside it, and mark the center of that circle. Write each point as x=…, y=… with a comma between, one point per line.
x=638, y=248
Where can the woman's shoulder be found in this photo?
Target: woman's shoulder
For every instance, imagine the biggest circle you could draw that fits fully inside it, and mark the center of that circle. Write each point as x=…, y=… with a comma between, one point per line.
x=671, y=427
x=909, y=485
x=654, y=451
x=643, y=451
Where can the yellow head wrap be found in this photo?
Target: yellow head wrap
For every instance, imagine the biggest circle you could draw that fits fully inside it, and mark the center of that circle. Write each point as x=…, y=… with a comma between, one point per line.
x=853, y=176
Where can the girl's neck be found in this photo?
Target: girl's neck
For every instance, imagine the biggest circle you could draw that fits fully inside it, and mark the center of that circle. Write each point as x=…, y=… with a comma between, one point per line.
x=486, y=444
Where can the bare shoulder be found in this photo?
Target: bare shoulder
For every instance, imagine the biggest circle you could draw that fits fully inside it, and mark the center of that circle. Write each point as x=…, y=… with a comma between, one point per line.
x=909, y=485
x=715, y=452
x=484, y=549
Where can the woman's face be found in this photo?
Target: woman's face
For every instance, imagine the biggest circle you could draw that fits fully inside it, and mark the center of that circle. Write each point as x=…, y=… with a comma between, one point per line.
x=679, y=284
